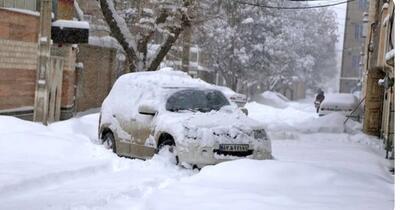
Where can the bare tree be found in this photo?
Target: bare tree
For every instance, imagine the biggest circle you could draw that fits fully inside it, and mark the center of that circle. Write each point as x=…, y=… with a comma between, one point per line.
x=169, y=18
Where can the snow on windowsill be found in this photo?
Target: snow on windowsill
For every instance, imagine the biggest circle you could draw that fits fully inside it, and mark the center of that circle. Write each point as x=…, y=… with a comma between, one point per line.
x=23, y=11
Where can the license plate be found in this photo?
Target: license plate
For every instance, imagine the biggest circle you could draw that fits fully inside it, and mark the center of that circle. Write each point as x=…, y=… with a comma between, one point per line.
x=234, y=147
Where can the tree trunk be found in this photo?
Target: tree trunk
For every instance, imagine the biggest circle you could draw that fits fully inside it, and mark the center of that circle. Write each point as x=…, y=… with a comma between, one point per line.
x=135, y=47
x=116, y=25
x=164, y=49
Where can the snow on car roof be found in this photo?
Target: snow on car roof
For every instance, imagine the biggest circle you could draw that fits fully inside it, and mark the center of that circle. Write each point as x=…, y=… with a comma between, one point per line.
x=165, y=77
x=340, y=99
x=168, y=78
x=151, y=88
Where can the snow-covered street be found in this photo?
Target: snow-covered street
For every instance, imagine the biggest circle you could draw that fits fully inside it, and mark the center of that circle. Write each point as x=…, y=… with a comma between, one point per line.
x=319, y=163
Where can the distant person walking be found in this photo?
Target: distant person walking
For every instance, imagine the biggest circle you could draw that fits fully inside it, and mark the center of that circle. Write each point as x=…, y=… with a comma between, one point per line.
x=318, y=99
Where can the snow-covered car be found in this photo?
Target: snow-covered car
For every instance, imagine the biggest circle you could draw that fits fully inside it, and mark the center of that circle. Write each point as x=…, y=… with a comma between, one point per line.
x=237, y=98
x=148, y=111
x=341, y=102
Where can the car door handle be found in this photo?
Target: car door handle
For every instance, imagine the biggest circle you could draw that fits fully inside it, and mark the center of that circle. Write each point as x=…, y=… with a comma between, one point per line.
x=133, y=119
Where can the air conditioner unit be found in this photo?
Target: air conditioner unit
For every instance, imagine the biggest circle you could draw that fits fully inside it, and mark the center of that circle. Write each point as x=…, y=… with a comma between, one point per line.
x=70, y=32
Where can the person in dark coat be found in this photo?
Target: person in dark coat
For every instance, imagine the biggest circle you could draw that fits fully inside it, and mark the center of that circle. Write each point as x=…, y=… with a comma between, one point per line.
x=318, y=99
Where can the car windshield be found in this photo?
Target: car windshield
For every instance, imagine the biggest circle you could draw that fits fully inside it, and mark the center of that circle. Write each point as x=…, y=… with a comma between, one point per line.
x=196, y=100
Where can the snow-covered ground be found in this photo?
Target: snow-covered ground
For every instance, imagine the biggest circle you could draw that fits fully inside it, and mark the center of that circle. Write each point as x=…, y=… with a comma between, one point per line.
x=318, y=164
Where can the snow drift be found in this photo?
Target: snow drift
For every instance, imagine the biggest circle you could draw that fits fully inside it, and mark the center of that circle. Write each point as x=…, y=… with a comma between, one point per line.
x=273, y=99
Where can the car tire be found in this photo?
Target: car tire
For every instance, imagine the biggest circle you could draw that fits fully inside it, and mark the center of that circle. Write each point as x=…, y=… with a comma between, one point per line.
x=170, y=145
x=109, y=141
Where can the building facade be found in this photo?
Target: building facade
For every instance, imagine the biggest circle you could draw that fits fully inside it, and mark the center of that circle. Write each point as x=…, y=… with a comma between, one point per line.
x=21, y=4
x=18, y=61
x=75, y=70
x=378, y=88
x=354, y=36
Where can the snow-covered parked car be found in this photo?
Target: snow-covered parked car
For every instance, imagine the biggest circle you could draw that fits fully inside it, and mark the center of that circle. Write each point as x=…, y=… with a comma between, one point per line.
x=148, y=111
x=341, y=102
x=237, y=98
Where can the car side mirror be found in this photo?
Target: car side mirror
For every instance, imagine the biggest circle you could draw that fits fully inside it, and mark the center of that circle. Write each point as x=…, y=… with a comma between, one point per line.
x=245, y=111
x=147, y=110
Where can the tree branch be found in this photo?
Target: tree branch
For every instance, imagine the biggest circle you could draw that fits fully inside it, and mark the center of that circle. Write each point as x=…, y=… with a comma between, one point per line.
x=175, y=31
x=120, y=31
x=164, y=48
x=144, y=40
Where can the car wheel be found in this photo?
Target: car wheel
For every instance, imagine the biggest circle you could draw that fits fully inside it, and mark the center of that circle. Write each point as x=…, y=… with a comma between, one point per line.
x=109, y=142
x=168, y=148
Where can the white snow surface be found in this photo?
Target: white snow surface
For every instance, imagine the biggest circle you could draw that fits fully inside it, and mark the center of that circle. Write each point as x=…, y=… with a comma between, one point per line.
x=345, y=100
x=62, y=166
x=248, y=20
x=71, y=24
x=273, y=99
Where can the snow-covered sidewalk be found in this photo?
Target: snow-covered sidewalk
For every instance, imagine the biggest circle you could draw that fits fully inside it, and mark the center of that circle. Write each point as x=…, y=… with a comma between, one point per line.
x=318, y=164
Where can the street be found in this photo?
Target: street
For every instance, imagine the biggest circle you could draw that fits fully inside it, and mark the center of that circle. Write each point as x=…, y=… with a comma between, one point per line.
x=318, y=163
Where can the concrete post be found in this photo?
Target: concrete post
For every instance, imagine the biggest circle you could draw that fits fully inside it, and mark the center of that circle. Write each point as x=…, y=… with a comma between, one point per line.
x=187, y=39
x=41, y=108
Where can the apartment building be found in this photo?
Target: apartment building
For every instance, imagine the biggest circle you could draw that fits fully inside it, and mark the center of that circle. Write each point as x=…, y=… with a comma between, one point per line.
x=378, y=73
x=354, y=36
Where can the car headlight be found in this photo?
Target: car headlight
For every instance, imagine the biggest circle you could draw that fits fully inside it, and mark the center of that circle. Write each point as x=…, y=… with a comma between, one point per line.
x=260, y=134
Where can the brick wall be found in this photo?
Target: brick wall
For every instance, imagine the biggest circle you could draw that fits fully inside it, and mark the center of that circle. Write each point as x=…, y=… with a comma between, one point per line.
x=18, y=63
x=97, y=77
x=18, y=58
x=18, y=26
x=17, y=70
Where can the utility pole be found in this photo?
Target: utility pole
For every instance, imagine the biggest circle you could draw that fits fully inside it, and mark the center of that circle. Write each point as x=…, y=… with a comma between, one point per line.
x=41, y=107
x=187, y=39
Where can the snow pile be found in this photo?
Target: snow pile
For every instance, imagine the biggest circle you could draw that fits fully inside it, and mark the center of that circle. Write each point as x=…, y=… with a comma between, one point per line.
x=294, y=120
x=86, y=126
x=280, y=185
x=15, y=125
x=58, y=167
x=277, y=118
x=341, y=100
x=331, y=123
x=273, y=99
x=34, y=154
x=71, y=24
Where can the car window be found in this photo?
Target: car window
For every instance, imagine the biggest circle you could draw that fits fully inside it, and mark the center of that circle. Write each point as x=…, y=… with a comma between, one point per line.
x=196, y=100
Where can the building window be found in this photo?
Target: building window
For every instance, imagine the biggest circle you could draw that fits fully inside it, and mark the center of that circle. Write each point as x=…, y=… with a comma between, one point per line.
x=355, y=61
x=363, y=4
x=20, y=4
x=358, y=31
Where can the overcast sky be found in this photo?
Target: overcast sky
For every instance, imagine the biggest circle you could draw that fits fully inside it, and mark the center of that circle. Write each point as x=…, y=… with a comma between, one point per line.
x=340, y=19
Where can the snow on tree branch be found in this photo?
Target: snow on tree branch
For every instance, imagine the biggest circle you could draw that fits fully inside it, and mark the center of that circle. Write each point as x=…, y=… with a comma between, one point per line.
x=164, y=19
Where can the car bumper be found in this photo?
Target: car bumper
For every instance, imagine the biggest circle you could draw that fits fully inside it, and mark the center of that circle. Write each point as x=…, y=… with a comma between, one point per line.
x=202, y=156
